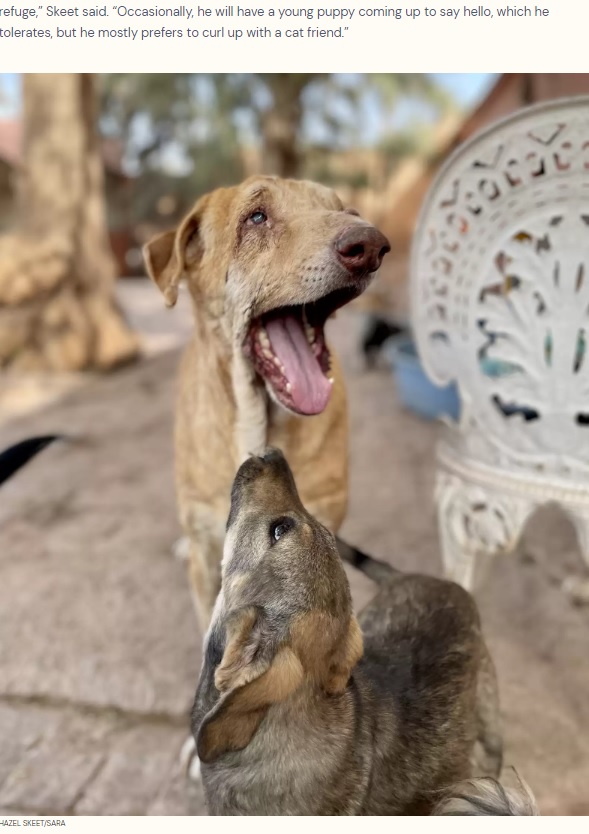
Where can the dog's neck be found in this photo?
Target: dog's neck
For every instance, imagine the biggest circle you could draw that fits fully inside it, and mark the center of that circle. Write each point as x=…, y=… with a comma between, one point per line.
x=296, y=760
x=250, y=432
x=256, y=412
x=251, y=402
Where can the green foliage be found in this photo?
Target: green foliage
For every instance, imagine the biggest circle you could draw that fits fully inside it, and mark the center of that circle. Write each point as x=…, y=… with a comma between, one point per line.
x=174, y=141
x=189, y=133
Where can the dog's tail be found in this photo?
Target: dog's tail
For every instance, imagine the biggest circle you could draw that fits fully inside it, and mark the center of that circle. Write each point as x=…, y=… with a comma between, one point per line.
x=373, y=568
x=486, y=797
x=13, y=458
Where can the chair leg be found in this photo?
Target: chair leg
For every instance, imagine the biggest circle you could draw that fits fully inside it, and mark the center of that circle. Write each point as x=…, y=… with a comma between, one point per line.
x=476, y=523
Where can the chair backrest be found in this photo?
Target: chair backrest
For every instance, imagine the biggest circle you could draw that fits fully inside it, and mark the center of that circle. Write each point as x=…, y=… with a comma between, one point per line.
x=500, y=285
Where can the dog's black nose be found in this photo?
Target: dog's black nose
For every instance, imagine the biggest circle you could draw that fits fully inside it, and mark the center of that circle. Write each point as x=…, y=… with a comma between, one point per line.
x=272, y=455
x=361, y=249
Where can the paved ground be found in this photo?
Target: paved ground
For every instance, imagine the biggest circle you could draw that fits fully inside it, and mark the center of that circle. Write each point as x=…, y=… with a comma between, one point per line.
x=99, y=651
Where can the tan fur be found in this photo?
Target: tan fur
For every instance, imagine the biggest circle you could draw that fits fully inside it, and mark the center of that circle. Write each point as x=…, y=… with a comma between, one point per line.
x=349, y=653
x=223, y=410
x=246, y=702
x=237, y=667
x=328, y=648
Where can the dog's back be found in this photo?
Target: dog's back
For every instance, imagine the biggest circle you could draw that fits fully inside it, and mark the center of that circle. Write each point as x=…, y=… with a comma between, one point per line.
x=419, y=673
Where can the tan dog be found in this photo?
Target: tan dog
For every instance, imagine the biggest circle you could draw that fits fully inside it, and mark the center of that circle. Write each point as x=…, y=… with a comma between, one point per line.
x=267, y=262
x=303, y=709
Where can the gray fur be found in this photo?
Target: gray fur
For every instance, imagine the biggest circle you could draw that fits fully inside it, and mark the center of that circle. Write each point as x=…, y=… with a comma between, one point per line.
x=416, y=706
x=487, y=798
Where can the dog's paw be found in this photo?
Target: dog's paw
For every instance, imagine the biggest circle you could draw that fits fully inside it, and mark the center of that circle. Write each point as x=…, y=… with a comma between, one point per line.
x=181, y=549
x=189, y=760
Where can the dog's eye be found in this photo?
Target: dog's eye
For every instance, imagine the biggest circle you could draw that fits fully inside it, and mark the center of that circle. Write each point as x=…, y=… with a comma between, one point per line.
x=257, y=218
x=280, y=527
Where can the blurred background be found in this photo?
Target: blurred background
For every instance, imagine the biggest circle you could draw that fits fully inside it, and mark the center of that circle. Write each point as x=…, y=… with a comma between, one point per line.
x=160, y=141
x=99, y=652
x=166, y=139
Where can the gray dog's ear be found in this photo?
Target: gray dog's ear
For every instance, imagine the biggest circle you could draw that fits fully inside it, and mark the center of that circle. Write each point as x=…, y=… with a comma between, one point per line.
x=255, y=673
x=167, y=255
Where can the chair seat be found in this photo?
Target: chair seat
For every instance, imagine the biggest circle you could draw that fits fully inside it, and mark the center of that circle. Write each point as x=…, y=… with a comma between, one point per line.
x=543, y=488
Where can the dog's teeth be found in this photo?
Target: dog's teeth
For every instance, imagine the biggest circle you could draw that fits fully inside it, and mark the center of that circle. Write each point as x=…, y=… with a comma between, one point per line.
x=330, y=380
x=268, y=354
x=288, y=388
x=310, y=333
x=263, y=338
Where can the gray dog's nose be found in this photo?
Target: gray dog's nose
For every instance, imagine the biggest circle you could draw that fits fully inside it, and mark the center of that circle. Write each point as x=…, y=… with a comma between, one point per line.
x=272, y=455
x=361, y=249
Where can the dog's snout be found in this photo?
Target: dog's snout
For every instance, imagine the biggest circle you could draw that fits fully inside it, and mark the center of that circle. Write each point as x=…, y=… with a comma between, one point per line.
x=257, y=466
x=264, y=482
x=273, y=456
x=361, y=248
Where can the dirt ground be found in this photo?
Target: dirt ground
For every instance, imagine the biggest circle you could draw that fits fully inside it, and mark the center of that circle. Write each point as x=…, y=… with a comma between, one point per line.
x=99, y=650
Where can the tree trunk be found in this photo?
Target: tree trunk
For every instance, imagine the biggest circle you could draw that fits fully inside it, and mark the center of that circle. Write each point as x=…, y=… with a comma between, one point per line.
x=57, y=305
x=281, y=123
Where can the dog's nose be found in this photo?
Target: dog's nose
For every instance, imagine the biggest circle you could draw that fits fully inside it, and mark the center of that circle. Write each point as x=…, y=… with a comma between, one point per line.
x=361, y=248
x=273, y=456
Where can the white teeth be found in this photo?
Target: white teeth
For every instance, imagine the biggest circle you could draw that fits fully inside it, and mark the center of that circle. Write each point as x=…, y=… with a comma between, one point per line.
x=330, y=380
x=309, y=332
x=268, y=354
x=288, y=388
x=263, y=338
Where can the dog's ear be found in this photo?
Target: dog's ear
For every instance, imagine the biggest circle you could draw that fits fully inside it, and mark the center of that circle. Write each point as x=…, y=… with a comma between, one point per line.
x=166, y=258
x=347, y=656
x=256, y=671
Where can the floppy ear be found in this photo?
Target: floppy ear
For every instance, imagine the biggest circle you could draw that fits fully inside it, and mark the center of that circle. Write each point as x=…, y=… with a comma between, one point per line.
x=255, y=673
x=347, y=656
x=165, y=256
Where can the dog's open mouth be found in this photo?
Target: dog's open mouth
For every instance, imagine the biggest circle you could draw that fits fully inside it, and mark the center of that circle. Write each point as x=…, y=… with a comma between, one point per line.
x=288, y=350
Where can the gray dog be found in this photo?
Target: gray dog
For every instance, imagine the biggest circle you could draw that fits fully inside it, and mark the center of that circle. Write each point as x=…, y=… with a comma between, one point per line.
x=303, y=710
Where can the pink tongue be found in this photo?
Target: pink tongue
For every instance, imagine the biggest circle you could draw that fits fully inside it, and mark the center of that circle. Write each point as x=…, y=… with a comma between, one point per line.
x=310, y=389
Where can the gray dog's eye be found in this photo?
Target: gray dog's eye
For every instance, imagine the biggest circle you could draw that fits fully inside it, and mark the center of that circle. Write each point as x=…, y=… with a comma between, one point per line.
x=280, y=527
x=257, y=218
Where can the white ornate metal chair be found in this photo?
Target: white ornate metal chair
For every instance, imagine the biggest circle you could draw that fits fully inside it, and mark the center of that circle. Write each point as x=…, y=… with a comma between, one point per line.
x=500, y=306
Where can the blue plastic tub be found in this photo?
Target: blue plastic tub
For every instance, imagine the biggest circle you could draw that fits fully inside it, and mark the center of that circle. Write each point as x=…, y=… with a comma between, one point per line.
x=415, y=389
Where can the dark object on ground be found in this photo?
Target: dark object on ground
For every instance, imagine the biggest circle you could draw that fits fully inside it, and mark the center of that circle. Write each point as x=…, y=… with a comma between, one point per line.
x=378, y=331
x=15, y=457
x=415, y=389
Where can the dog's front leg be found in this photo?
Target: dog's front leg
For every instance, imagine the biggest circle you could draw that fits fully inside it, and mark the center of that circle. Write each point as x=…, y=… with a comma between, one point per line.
x=204, y=572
